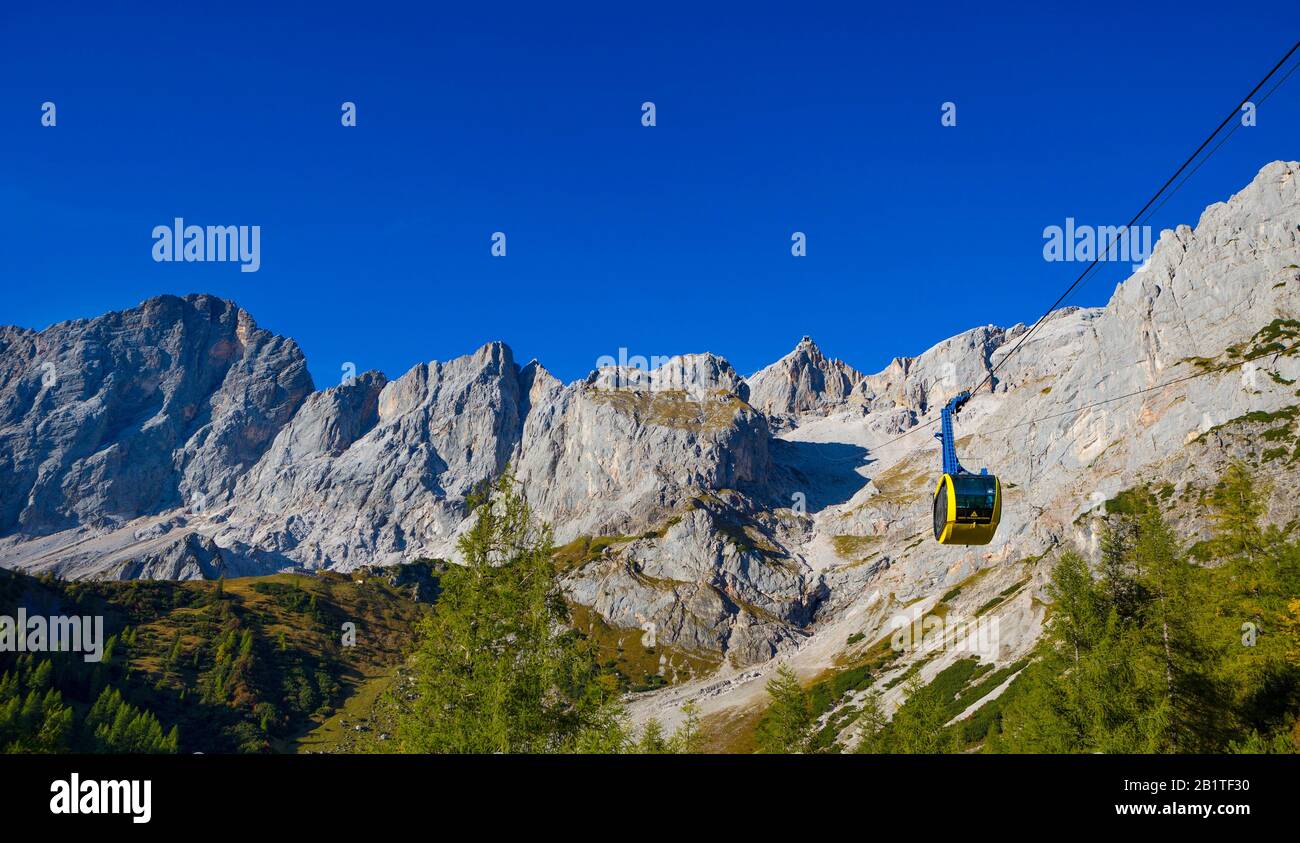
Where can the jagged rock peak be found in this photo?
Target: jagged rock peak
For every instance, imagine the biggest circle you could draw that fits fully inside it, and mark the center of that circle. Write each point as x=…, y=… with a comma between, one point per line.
x=696, y=374
x=803, y=381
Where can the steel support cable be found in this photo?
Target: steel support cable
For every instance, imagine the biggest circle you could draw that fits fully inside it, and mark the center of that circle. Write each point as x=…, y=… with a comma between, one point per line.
x=1149, y=208
x=1136, y=217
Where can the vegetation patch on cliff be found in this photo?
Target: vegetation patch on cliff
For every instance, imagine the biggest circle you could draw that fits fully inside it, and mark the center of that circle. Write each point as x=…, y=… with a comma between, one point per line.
x=674, y=408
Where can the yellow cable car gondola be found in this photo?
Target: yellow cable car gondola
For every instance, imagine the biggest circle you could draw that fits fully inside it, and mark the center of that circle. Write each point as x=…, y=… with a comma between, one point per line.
x=967, y=507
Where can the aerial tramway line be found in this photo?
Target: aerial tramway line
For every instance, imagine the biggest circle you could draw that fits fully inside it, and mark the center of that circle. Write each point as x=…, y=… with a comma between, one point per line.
x=967, y=507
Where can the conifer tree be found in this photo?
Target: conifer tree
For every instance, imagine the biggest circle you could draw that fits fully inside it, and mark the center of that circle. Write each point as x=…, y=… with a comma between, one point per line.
x=497, y=668
x=872, y=722
x=787, y=724
x=918, y=725
x=688, y=738
x=653, y=740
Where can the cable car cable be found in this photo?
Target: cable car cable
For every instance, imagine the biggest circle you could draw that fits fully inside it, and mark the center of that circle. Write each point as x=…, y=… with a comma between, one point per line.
x=1143, y=391
x=1110, y=244
x=1235, y=126
x=1222, y=141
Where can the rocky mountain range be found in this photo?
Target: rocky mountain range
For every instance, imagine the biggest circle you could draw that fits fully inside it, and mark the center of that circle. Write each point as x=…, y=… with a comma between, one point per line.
x=741, y=518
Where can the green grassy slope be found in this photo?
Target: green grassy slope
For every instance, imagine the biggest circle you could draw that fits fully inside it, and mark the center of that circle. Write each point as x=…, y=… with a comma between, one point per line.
x=245, y=665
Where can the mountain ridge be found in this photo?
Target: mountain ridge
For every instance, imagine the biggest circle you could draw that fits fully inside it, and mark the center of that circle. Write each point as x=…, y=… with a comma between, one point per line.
x=741, y=516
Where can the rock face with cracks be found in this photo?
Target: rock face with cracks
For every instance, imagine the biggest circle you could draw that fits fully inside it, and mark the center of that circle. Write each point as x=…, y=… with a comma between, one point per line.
x=103, y=420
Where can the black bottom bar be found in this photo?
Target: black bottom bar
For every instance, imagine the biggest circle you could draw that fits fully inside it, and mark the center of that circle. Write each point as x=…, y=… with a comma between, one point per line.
x=243, y=793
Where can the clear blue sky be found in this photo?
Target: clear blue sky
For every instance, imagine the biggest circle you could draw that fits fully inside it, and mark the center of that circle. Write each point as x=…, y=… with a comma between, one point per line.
x=525, y=118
